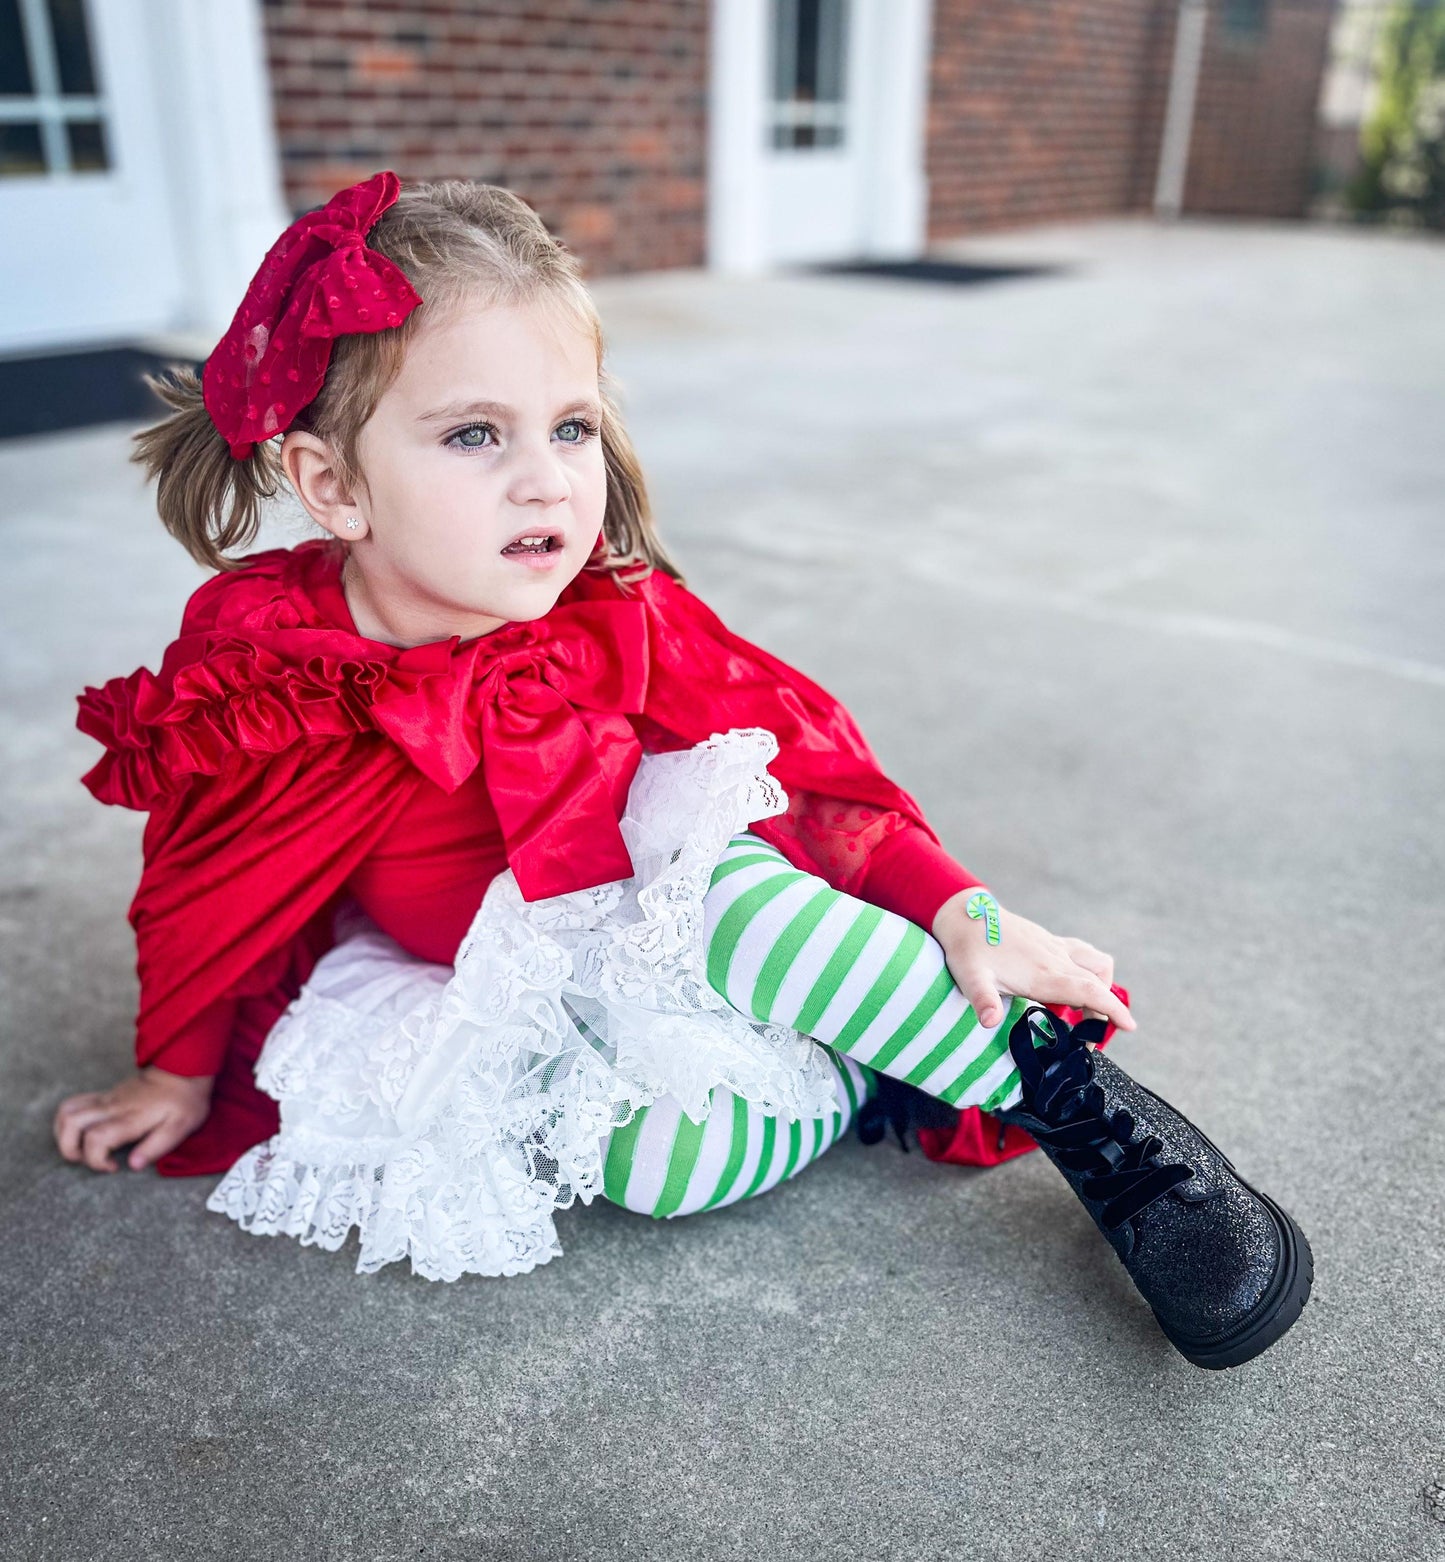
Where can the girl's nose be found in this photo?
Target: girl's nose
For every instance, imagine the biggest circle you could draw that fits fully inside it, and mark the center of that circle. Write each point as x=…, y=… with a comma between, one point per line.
x=539, y=478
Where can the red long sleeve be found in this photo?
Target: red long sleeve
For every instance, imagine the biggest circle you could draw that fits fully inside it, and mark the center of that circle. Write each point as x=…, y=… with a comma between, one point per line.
x=845, y=820
x=198, y=1047
x=910, y=873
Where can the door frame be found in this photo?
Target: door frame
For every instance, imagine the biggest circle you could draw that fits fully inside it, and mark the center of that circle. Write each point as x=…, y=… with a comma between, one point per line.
x=890, y=116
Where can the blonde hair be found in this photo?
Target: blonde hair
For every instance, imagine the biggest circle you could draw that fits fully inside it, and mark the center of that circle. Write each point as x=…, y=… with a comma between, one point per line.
x=454, y=241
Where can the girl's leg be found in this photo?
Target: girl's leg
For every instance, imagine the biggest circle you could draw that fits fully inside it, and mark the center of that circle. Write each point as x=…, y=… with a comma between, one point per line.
x=1226, y=1270
x=661, y=1163
x=870, y=986
x=784, y=946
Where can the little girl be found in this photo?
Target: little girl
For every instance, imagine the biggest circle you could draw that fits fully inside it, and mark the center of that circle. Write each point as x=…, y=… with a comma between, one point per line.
x=485, y=868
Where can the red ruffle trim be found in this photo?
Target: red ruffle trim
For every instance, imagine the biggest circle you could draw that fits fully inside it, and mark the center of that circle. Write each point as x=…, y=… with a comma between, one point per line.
x=219, y=695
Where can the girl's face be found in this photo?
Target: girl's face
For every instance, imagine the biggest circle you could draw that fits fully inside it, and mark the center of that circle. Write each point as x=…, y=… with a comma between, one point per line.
x=488, y=434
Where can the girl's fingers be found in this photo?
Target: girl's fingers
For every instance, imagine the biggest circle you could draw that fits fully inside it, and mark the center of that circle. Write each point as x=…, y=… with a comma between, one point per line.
x=1082, y=991
x=77, y=1103
x=73, y=1104
x=155, y=1144
x=1091, y=959
x=98, y=1141
x=71, y=1125
x=976, y=983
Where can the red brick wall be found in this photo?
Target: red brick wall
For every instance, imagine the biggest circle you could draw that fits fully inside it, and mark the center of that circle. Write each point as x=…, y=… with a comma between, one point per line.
x=1054, y=109
x=594, y=111
x=1034, y=109
x=1256, y=114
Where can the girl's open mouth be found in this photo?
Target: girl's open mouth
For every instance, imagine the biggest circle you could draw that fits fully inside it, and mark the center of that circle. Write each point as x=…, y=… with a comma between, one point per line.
x=540, y=550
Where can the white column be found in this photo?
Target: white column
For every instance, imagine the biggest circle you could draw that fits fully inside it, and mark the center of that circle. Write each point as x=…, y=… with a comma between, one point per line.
x=736, y=121
x=223, y=169
x=1179, y=115
x=896, y=198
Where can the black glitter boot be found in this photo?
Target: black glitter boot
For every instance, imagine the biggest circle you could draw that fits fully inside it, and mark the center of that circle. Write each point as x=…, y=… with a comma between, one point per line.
x=1225, y=1269
x=902, y=1107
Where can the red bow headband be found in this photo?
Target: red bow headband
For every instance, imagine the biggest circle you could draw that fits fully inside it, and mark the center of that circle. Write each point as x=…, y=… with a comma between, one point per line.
x=318, y=281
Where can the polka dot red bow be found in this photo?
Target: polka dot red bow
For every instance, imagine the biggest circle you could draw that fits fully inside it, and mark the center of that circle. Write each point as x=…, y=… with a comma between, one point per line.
x=318, y=281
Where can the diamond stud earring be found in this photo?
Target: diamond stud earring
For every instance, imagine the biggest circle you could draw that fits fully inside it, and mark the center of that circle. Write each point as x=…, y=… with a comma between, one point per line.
x=352, y=523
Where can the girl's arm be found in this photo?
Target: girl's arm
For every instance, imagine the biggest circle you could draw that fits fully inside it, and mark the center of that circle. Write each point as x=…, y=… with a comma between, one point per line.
x=848, y=820
x=881, y=856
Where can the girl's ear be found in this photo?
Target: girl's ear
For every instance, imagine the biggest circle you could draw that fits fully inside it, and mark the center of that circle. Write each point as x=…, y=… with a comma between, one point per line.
x=311, y=470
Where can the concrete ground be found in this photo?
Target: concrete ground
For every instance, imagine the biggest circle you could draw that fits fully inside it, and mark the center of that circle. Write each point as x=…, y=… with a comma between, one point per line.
x=1133, y=574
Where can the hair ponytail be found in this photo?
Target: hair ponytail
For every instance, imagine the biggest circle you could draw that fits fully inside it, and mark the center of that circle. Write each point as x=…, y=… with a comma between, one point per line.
x=208, y=501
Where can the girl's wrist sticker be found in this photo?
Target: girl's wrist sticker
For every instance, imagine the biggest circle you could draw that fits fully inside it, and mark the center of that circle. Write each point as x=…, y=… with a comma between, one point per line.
x=982, y=904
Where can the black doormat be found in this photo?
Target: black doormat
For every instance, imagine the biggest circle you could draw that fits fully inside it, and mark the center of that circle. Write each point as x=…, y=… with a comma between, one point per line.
x=954, y=273
x=43, y=392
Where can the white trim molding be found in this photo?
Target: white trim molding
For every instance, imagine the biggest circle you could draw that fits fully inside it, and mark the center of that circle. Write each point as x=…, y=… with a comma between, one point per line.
x=737, y=65
x=1179, y=114
x=901, y=46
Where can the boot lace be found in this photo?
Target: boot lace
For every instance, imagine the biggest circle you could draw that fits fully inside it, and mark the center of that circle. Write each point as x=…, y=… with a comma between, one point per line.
x=1060, y=1089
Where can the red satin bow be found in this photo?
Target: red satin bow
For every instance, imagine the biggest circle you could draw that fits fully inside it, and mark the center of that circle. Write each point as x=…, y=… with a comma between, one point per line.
x=318, y=281
x=543, y=707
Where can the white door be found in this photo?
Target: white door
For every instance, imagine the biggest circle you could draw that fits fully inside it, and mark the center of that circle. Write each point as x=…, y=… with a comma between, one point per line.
x=813, y=163
x=139, y=181
x=817, y=130
x=87, y=244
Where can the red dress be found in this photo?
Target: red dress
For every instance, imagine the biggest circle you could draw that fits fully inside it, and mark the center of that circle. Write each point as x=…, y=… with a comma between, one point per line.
x=287, y=763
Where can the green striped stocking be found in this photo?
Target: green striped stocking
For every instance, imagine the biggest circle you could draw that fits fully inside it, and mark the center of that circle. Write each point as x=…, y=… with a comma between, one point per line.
x=662, y=1163
x=784, y=946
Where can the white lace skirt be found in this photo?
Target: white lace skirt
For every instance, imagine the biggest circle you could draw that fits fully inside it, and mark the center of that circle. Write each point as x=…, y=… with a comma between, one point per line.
x=447, y=1112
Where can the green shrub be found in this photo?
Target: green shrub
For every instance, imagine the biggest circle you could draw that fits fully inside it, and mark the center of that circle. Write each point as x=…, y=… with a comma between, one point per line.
x=1403, y=142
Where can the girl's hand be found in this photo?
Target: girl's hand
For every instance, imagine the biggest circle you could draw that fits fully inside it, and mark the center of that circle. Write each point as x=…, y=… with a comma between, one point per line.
x=1028, y=961
x=155, y=1107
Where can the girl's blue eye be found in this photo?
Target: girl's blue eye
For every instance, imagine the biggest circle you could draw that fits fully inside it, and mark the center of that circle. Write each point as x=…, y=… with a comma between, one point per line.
x=463, y=440
x=472, y=428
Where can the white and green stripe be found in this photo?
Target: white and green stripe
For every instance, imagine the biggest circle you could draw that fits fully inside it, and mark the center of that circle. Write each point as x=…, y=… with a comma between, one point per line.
x=873, y=988
x=661, y=1163
x=784, y=946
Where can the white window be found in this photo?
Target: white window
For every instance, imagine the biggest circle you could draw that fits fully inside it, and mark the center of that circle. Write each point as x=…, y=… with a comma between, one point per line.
x=52, y=105
x=808, y=101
